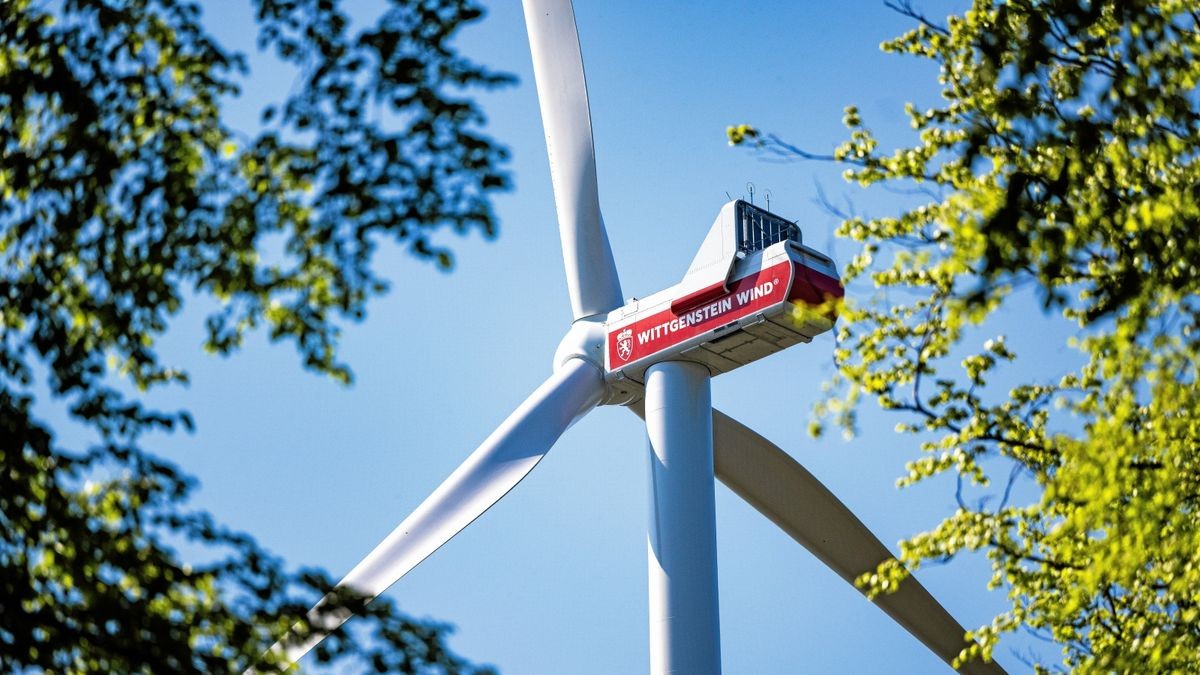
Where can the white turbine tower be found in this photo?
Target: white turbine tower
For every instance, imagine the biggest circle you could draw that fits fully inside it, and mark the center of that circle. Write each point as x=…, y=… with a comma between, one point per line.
x=752, y=289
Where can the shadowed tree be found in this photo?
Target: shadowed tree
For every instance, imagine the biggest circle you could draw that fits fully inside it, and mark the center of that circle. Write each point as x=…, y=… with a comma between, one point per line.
x=123, y=194
x=1061, y=164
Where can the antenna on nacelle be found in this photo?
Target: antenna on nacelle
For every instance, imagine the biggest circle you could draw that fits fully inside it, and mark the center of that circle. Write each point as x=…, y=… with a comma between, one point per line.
x=750, y=189
x=767, y=196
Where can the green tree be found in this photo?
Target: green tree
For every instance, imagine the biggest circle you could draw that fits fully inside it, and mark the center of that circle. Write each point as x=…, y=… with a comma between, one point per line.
x=1063, y=160
x=124, y=193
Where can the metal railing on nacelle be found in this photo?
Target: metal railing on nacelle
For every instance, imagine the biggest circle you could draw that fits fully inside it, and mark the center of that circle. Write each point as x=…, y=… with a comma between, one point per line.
x=758, y=228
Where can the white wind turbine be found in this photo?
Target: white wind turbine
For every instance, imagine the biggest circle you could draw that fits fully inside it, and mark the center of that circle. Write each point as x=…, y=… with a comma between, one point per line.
x=752, y=289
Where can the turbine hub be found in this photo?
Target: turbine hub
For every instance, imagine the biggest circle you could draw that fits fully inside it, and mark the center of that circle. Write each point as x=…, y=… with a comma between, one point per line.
x=584, y=340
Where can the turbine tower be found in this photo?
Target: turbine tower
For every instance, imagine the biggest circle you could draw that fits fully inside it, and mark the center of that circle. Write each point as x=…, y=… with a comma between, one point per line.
x=752, y=289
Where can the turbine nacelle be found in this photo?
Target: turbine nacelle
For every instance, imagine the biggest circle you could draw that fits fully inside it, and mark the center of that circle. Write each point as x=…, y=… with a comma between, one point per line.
x=753, y=289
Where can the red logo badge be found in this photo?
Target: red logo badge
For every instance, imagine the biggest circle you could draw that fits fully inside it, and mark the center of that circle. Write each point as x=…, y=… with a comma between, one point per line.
x=625, y=344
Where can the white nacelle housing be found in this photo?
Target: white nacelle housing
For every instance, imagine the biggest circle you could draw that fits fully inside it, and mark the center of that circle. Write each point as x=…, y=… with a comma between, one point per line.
x=752, y=289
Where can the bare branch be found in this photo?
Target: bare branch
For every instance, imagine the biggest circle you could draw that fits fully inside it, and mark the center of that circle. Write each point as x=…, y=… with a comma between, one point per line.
x=907, y=8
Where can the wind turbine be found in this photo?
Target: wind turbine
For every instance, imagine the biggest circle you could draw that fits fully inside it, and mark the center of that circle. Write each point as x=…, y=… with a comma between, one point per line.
x=752, y=289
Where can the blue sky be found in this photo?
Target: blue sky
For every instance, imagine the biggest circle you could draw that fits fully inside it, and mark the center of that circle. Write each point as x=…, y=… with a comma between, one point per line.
x=553, y=579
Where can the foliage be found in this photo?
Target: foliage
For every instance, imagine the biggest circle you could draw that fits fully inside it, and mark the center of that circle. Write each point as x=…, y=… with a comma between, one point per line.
x=123, y=193
x=1061, y=165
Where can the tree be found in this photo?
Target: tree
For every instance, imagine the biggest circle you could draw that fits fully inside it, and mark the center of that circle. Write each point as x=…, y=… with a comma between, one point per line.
x=123, y=194
x=1062, y=162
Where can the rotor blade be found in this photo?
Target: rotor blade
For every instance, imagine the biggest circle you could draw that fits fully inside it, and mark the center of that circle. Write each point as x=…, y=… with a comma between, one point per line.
x=562, y=93
x=506, y=457
x=785, y=492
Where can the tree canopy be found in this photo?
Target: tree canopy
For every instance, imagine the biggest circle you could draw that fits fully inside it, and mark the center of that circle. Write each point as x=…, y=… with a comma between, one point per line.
x=1062, y=164
x=124, y=193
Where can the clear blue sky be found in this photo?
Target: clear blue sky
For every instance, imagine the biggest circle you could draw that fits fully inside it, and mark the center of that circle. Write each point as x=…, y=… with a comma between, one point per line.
x=553, y=580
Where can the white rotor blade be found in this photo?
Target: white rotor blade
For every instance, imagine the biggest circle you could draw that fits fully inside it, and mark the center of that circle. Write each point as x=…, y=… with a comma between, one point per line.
x=785, y=492
x=562, y=92
x=488, y=474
